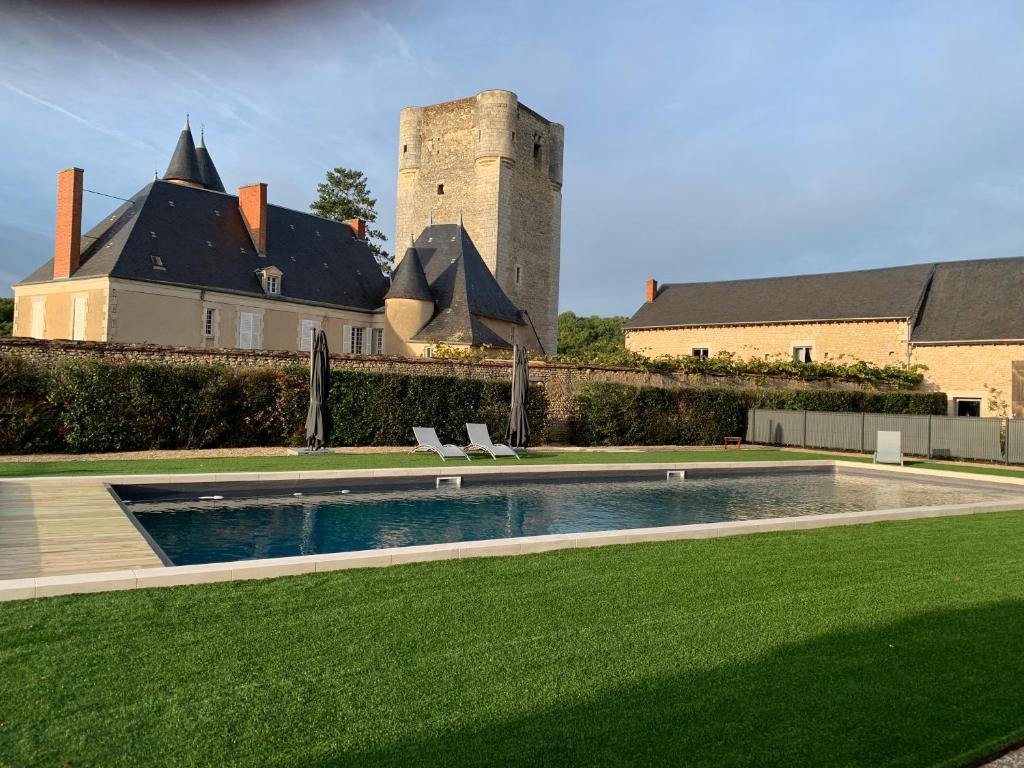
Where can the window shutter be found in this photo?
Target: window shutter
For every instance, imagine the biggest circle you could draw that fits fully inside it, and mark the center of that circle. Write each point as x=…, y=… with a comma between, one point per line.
x=346, y=339
x=257, y=331
x=244, y=330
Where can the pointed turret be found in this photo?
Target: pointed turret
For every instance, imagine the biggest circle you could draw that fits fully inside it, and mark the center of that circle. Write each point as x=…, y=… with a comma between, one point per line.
x=184, y=165
x=409, y=281
x=207, y=170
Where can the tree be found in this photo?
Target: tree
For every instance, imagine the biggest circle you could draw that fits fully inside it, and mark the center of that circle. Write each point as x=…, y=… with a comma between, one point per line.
x=6, y=317
x=587, y=337
x=344, y=195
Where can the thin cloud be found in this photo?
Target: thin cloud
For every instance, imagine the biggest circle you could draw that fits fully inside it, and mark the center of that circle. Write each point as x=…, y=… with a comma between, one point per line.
x=100, y=128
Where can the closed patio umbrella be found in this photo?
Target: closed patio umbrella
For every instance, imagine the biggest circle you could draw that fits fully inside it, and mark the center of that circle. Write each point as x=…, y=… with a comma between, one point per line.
x=318, y=418
x=518, y=435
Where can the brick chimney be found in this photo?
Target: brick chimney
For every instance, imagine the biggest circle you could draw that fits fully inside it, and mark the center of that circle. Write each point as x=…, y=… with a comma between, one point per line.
x=252, y=202
x=67, y=242
x=358, y=227
x=652, y=290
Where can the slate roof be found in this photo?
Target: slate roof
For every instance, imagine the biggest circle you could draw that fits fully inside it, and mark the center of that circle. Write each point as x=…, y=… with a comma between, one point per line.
x=184, y=165
x=180, y=235
x=946, y=301
x=409, y=281
x=463, y=288
x=973, y=301
x=207, y=170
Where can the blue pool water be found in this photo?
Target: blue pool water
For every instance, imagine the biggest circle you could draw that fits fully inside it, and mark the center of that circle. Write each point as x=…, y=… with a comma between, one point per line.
x=196, y=531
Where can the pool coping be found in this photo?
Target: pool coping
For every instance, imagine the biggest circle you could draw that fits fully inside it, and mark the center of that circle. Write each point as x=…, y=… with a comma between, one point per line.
x=138, y=578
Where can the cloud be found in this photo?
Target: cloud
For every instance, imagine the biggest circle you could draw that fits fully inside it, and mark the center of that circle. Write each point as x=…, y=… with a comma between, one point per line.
x=92, y=124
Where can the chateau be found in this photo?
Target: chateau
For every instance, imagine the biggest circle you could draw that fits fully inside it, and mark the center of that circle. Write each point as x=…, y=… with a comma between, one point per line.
x=959, y=319
x=184, y=263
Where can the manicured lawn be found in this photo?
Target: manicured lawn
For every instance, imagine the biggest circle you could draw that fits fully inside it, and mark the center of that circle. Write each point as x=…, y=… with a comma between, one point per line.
x=894, y=644
x=371, y=461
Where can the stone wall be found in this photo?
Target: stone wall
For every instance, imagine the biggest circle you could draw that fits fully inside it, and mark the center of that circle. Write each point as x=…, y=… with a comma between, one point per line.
x=974, y=371
x=882, y=342
x=559, y=381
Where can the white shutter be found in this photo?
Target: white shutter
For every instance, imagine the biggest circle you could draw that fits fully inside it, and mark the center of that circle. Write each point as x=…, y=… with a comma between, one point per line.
x=257, y=322
x=39, y=318
x=248, y=331
x=306, y=328
x=78, y=319
x=346, y=339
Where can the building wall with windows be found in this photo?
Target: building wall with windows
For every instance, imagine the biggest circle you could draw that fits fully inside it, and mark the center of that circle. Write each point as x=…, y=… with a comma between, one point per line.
x=132, y=312
x=968, y=372
x=882, y=342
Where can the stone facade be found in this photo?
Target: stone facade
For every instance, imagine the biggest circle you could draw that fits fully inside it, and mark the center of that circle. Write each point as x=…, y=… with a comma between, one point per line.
x=559, y=381
x=879, y=342
x=498, y=165
x=982, y=372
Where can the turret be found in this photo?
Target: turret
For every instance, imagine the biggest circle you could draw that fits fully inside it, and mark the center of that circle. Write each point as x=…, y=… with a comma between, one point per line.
x=409, y=304
x=496, y=124
x=207, y=170
x=184, y=165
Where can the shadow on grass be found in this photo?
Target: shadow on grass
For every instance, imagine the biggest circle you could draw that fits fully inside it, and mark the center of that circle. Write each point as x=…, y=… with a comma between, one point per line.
x=936, y=689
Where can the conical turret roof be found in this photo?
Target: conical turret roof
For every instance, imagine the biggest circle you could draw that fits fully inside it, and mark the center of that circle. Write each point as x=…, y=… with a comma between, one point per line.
x=409, y=280
x=207, y=170
x=184, y=165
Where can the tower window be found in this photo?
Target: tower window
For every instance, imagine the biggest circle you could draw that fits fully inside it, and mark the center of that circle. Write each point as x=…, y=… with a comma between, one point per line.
x=519, y=274
x=405, y=148
x=440, y=189
x=536, y=150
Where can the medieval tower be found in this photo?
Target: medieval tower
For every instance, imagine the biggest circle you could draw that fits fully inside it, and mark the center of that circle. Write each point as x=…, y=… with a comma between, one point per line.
x=498, y=165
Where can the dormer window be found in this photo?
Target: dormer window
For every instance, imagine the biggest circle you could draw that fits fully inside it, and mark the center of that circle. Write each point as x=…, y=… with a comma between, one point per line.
x=271, y=278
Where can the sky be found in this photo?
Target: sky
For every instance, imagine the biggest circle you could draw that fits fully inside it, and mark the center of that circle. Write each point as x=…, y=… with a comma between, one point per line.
x=703, y=140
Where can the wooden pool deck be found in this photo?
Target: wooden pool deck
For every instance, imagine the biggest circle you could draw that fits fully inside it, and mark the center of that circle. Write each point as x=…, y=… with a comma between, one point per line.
x=54, y=529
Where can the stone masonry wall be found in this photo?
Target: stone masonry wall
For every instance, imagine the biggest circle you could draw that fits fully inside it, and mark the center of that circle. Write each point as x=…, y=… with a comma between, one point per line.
x=559, y=381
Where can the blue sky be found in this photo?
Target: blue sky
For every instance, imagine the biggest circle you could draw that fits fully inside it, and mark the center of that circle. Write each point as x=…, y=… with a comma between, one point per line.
x=703, y=140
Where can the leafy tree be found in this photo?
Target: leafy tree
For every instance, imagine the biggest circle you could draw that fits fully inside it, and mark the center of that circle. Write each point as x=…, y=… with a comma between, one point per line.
x=586, y=337
x=6, y=316
x=344, y=195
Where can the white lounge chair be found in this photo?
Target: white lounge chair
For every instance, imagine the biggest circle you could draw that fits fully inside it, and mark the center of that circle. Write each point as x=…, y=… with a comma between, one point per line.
x=480, y=440
x=889, y=448
x=428, y=440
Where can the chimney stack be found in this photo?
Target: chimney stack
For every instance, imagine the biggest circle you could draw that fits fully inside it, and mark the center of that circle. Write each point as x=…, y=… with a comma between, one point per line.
x=252, y=202
x=67, y=242
x=358, y=227
x=652, y=290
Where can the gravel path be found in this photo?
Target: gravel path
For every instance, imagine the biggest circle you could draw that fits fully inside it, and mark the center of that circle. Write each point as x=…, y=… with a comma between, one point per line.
x=1013, y=759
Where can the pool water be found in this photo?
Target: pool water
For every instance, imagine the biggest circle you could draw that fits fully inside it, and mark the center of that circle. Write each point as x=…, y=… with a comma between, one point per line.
x=205, y=531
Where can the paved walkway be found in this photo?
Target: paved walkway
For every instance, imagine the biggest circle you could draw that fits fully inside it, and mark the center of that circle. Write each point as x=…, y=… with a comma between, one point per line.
x=52, y=529
x=1013, y=759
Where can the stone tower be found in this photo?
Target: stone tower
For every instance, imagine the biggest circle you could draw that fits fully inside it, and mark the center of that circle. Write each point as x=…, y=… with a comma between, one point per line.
x=498, y=164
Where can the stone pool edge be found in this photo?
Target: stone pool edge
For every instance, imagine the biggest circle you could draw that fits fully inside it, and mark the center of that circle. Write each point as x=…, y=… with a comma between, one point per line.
x=138, y=578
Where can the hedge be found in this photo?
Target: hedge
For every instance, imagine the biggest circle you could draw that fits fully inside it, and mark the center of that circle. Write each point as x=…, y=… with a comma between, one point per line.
x=89, y=406
x=619, y=414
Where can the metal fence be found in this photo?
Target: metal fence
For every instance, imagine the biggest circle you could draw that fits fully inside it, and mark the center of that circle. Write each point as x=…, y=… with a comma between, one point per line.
x=940, y=437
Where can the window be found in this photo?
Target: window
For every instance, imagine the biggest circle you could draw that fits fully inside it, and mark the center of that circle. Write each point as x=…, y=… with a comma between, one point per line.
x=209, y=322
x=78, y=319
x=440, y=189
x=701, y=352
x=273, y=284
x=536, y=150
x=428, y=351
x=158, y=263
x=802, y=354
x=968, y=406
x=377, y=341
x=39, y=319
x=519, y=274
x=405, y=148
x=271, y=279
x=352, y=340
x=306, y=328
x=250, y=330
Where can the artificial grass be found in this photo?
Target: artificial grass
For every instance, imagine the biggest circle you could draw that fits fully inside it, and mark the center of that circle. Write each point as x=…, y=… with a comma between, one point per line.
x=894, y=644
x=372, y=461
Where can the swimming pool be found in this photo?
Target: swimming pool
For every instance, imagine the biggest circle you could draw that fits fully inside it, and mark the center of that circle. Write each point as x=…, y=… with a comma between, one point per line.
x=289, y=519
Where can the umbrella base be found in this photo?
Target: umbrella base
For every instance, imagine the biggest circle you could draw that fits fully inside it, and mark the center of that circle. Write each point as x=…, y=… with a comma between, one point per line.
x=307, y=451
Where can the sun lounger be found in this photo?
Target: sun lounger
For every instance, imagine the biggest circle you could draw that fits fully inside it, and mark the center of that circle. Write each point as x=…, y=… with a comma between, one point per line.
x=427, y=440
x=889, y=448
x=480, y=440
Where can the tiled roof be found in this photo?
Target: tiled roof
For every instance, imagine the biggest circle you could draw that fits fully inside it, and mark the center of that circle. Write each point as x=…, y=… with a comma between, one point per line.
x=181, y=235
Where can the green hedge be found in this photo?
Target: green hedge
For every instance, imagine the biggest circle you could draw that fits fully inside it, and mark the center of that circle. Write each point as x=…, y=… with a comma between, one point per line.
x=85, y=406
x=618, y=414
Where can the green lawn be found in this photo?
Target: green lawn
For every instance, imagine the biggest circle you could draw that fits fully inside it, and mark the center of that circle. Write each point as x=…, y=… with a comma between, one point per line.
x=371, y=461
x=894, y=644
